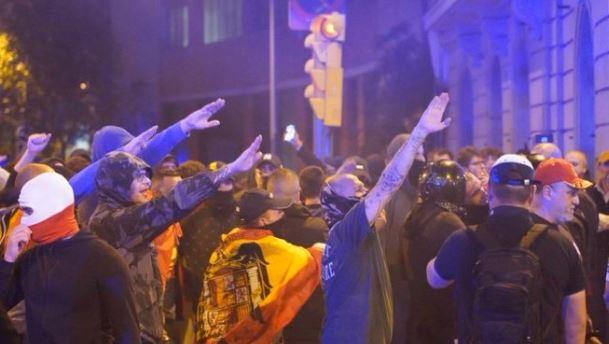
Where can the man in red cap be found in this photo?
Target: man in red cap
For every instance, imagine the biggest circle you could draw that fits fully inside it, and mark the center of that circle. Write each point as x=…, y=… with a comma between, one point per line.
x=557, y=195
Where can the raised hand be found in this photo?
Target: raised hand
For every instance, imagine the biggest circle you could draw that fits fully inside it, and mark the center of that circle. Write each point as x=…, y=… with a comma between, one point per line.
x=138, y=143
x=36, y=143
x=16, y=242
x=199, y=120
x=431, y=120
x=248, y=158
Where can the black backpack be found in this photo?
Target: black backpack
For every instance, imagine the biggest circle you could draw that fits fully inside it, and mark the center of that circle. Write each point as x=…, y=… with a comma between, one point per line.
x=507, y=283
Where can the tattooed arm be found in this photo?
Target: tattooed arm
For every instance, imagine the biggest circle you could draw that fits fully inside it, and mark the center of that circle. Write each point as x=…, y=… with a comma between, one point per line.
x=396, y=171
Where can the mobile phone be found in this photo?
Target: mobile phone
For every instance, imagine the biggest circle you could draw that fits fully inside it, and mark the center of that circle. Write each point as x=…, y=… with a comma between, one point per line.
x=290, y=133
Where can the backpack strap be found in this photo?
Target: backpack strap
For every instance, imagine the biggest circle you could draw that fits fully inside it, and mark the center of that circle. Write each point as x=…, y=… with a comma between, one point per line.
x=532, y=234
x=484, y=237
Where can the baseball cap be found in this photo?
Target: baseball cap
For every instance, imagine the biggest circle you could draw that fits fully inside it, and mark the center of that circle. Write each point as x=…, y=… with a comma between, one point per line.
x=512, y=169
x=271, y=159
x=603, y=157
x=254, y=202
x=554, y=170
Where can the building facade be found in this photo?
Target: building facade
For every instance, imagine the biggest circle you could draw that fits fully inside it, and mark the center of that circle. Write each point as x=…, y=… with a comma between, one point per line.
x=180, y=54
x=521, y=68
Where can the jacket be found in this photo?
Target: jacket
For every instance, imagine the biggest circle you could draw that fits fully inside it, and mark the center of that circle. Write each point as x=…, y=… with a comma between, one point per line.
x=76, y=290
x=131, y=228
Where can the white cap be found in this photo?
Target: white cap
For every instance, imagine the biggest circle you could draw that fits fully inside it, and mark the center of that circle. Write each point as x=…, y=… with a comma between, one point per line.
x=46, y=195
x=513, y=159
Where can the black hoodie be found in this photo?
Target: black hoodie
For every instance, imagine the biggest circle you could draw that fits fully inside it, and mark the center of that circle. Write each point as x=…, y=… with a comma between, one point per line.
x=73, y=290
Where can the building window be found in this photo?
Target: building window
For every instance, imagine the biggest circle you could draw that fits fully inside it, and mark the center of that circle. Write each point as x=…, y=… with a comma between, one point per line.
x=178, y=27
x=222, y=19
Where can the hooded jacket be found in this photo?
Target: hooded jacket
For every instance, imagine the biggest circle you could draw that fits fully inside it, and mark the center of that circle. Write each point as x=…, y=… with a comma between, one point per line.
x=108, y=139
x=131, y=228
x=72, y=289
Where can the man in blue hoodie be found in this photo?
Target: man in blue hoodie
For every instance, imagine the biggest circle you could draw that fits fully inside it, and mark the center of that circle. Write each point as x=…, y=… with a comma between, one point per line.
x=111, y=138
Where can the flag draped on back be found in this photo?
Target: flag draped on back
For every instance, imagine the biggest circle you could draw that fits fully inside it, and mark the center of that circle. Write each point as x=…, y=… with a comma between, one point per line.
x=254, y=286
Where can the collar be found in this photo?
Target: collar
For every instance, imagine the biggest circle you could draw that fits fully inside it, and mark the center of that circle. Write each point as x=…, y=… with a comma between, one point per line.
x=510, y=216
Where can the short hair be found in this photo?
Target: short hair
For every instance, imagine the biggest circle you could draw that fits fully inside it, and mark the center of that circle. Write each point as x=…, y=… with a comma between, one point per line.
x=280, y=179
x=163, y=172
x=398, y=141
x=466, y=154
x=311, y=181
x=29, y=172
x=191, y=167
x=547, y=149
x=511, y=193
x=77, y=163
x=441, y=151
x=491, y=152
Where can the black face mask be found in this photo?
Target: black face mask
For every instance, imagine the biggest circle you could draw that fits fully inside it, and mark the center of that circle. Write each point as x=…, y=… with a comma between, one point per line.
x=335, y=207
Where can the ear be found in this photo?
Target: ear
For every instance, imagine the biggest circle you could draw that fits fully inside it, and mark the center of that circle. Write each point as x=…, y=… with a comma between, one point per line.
x=546, y=191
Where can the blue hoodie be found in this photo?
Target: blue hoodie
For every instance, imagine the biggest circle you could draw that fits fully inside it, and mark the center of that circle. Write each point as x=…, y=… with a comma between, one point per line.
x=110, y=138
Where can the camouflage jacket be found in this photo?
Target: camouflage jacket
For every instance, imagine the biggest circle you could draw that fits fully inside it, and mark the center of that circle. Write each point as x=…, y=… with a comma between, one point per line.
x=131, y=228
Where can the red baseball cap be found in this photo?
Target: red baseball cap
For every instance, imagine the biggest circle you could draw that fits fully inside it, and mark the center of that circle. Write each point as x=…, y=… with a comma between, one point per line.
x=554, y=170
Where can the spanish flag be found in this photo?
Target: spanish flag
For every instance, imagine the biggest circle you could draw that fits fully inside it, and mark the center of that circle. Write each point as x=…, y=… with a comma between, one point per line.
x=254, y=286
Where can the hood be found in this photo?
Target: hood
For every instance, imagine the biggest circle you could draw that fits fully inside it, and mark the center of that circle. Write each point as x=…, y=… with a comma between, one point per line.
x=115, y=175
x=107, y=139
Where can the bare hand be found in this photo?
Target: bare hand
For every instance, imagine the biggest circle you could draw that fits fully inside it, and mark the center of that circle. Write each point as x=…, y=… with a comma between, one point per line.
x=36, y=143
x=248, y=158
x=16, y=243
x=431, y=120
x=199, y=119
x=138, y=143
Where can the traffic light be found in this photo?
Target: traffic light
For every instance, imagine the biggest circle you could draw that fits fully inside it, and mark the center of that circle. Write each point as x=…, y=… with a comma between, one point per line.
x=325, y=93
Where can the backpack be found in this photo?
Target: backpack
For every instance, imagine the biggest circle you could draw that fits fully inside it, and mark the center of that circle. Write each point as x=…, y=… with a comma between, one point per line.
x=233, y=286
x=507, y=283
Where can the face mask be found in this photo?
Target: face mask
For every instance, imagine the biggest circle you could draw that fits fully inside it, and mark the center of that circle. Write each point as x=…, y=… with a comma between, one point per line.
x=335, y=207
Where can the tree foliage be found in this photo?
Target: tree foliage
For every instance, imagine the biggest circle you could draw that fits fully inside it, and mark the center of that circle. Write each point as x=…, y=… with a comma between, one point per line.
x=66, y=49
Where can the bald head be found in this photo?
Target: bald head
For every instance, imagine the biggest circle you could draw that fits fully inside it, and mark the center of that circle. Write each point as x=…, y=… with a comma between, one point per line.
x=284, y=183
x=29, y=172
x=346, y=185
x=579, y=160
x=548, y=150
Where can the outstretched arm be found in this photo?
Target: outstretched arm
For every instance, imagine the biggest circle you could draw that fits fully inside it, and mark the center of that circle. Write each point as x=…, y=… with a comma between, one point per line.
x=397, y=169
x=140, y=224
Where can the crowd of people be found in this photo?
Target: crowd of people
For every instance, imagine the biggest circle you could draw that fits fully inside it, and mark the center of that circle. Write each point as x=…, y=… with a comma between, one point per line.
x=124, y=244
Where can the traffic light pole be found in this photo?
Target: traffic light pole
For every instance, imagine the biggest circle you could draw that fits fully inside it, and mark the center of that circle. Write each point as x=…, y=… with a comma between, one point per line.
x=322, y=138
x=272, y=90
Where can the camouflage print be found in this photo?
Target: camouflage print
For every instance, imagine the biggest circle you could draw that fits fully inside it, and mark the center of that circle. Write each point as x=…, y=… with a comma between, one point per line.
x=131, y=228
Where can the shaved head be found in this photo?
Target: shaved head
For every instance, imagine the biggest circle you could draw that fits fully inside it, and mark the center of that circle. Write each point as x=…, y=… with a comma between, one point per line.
x=547, y=149
x=284, y=183
x=29, y=172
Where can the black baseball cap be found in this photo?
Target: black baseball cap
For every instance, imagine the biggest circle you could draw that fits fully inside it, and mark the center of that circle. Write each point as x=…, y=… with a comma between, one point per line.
x=254, y=202
x=270, y=159
x=512, y=169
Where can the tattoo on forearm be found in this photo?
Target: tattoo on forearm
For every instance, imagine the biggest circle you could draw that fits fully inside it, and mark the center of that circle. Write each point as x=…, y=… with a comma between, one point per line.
x=396, y=171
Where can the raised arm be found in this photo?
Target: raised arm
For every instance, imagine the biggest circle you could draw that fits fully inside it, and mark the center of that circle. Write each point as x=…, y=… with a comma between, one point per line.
x=163, y=143
x=397, y=169
x=83, y=182
x=35, y=144
x=140, y=224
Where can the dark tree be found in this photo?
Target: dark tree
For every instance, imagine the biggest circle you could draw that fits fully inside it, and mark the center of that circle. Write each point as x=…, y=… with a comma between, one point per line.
x=401, y=87
x=68, y=49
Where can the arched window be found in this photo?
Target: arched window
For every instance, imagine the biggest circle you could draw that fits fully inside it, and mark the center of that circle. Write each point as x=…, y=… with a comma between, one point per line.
x=585, y=123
